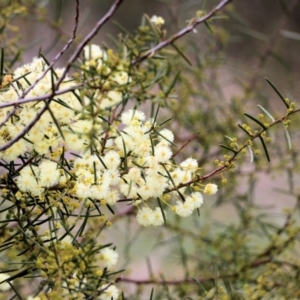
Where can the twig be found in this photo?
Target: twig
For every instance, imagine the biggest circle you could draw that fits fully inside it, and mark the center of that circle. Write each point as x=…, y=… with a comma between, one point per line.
x=43, y=97
x=232, y=158
x=173, y=282
x=186, y=143
x=57, y=57
x=181, y=33
x=88, y=38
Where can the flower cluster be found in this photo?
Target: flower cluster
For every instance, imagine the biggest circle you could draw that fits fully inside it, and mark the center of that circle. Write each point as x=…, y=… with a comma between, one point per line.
x=61, y=261
x=45, y=134
x=84, y=156
x=67, y=120
x=138, y=165
x=113, y=79
x=157, y=20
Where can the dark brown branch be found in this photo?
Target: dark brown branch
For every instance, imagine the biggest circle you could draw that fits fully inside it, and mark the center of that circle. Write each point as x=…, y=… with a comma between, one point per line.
x=181, y=33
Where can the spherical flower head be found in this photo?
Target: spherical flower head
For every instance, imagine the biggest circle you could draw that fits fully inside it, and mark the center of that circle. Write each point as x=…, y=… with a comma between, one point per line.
x=112, y=197
x=14, y=151
x=158, y=218
x=189, y=164
x=114, y=177
x=145, y=191
x=49, y=174
x=157, y=183
x=4, y=286
x=110, y=99
x=162, y=153
x=184, y=209
x=145, y=216
x=195, y=199
x=132, y=116
x=134, y=174
x=82, y=127
x=28, y=181
x=93, y=52
x=83, y=191
x=210, y=189
x=166, y=134
x=109, y=292
x=157, y=20
x=120, y=78
x=152, y=162
x=98, y=191
x=109, y=257
x=177, y=176
x=38, y=64
x=112, y=160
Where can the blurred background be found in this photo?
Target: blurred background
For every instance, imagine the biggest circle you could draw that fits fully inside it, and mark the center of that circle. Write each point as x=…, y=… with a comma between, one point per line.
x=251, y=40
x=251, y=25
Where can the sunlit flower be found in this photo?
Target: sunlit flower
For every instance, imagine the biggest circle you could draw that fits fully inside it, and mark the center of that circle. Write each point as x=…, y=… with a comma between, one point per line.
x=157, y=20
x=131, y=115
x=109, y=257
x=195, y=199
x=93, y=52
x=158, y=218
x=163, y=154
x=4, y=286
x=184, y=209
x=110, y=292
x=145, y=216
x=210, y=189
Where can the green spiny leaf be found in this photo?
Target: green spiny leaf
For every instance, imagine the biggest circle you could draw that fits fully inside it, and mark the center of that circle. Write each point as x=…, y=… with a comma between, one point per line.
x=228, y=148
x=182, y=55
x=256, y=121
x=251, y=153
x=162, y=211
x=244, y=129
x=265, y=148
x=267, y=113
x=172, y=83
x=287, y=135
x=277, y=92
x=151, y=295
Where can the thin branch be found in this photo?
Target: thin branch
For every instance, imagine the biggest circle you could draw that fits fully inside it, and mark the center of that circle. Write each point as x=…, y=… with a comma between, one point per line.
x=232, y=158
x=43, y=97
x=88, y=38
x=186, y=143
x=57, y=57
x=172, y=282
x=8, y=116
x=75, y=55
x=181, y=33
